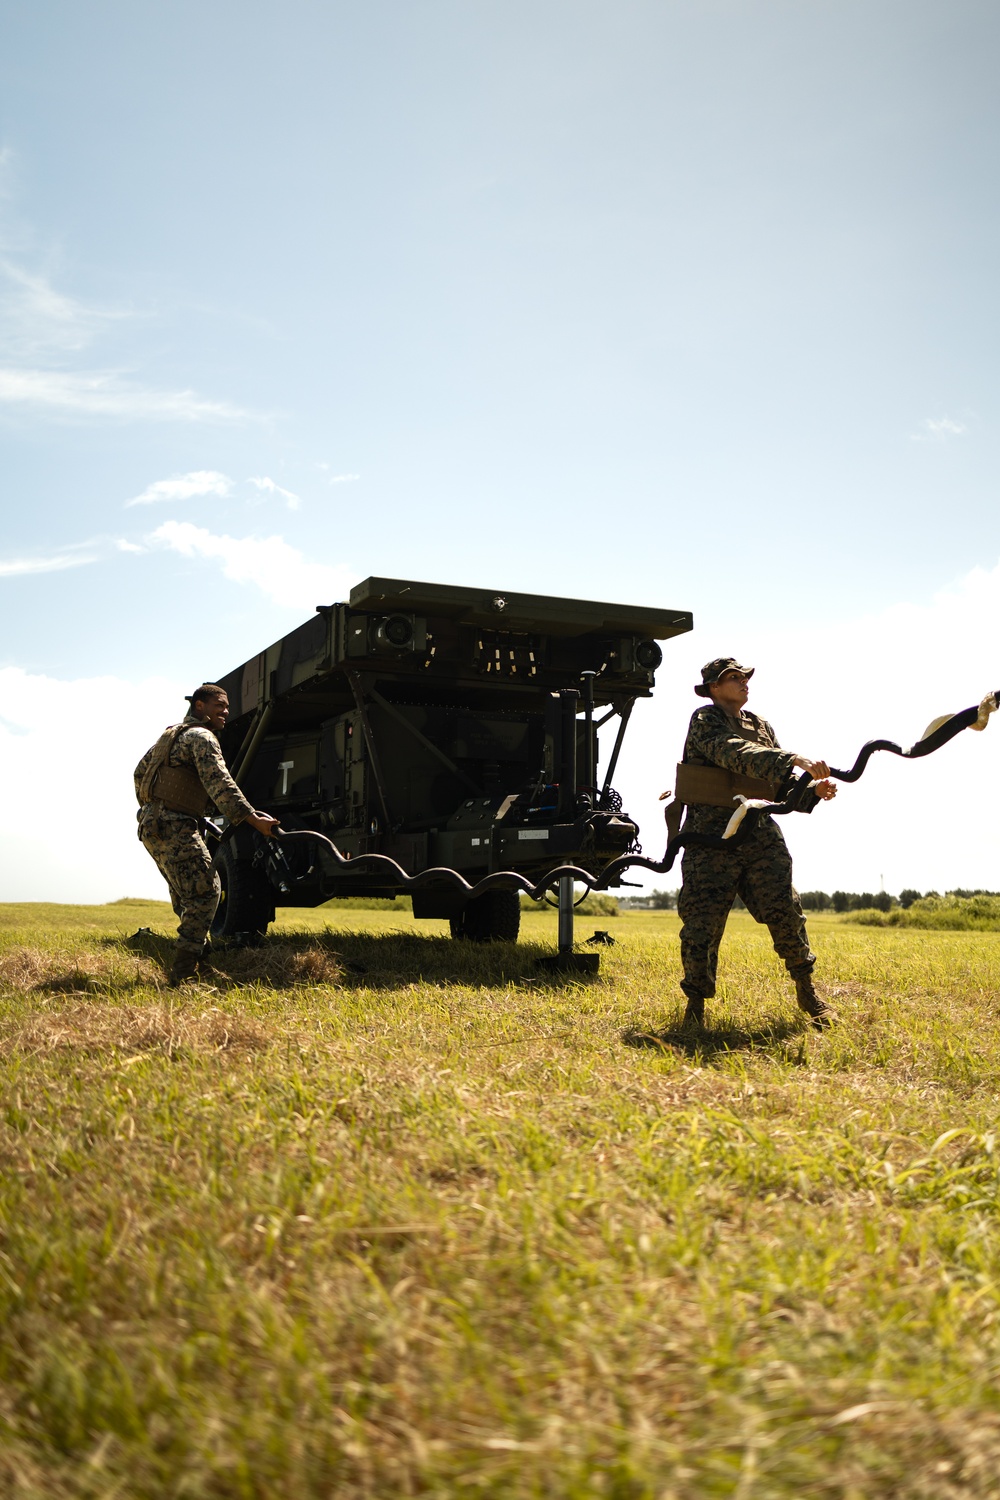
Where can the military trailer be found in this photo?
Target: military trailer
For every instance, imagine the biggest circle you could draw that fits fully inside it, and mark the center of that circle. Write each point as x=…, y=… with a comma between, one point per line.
x=443, y=727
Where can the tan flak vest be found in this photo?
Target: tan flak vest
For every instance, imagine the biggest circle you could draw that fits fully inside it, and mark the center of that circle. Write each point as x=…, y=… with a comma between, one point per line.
x=713, y=786
x=178, y=787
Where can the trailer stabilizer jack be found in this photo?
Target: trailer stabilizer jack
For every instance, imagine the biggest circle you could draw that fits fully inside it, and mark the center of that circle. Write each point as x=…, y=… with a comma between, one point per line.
x=565, y=961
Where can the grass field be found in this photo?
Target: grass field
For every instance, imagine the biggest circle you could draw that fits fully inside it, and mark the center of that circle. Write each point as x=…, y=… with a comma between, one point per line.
x=397, y=1216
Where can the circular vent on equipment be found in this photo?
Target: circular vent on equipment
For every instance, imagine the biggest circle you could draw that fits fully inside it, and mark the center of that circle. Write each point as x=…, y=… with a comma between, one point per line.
x=396, y=632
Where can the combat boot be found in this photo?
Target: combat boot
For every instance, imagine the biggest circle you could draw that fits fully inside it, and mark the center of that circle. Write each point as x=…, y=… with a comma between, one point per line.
x=694, y=1015
x=207, y=970
x=185, y=966
x=816, y=1009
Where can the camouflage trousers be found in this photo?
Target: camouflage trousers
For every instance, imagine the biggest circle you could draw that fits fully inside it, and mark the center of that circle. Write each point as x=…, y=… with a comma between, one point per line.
x=760, y=873
x=183, y=860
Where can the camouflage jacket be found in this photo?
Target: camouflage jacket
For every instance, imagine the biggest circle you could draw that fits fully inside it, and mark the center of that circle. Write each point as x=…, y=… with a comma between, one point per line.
x=199, y=750
x=746, y=744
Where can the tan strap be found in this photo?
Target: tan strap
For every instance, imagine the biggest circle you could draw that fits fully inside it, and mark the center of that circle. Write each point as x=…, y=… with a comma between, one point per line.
x=712, y=786
x=161, y=750
x=672, y=814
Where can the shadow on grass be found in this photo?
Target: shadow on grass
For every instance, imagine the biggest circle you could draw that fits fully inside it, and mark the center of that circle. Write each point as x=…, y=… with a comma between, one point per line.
x=787, y=1037
x=376, y=960
x=80, y=982
x=149, y=944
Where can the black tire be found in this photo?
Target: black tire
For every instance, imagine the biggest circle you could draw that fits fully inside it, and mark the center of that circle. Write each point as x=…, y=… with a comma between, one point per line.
x=247, y=903
x=493, y=918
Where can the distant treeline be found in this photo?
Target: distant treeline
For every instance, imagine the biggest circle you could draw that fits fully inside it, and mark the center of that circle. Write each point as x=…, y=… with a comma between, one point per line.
x=841, y=901
x=837, y=901
x=593, y=904
x=655, y=901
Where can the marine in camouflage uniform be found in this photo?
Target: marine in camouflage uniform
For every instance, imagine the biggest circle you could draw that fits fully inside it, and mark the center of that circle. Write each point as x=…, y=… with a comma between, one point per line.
x=173, y=837
x=759, y=869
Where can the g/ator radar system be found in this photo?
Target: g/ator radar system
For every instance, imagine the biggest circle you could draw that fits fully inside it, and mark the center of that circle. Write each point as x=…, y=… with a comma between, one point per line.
x=444, y=727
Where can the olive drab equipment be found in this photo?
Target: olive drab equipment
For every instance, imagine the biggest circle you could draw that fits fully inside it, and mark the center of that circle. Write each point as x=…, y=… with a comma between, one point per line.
x=446, y=728
x=179, y=788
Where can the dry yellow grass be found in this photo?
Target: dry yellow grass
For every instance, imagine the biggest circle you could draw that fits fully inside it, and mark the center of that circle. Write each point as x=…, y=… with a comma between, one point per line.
x=55, y=971
x=133, y=1029
x=62, y=971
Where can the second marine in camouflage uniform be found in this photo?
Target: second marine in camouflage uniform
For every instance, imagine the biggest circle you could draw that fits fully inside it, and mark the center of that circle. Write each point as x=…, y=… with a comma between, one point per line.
x=173, y=836
x=759, y=869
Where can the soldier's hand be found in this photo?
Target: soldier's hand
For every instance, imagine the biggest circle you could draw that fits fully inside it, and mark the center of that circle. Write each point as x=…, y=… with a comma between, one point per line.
x=825, y=790
x=264, y=823
x=817, y=769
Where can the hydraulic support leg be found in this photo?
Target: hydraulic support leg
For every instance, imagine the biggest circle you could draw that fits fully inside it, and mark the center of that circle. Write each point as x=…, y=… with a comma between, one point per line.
x=566, y=900
x=565, y=960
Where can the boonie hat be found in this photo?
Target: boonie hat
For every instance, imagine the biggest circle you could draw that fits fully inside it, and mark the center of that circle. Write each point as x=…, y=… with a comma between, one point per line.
x=713, y=670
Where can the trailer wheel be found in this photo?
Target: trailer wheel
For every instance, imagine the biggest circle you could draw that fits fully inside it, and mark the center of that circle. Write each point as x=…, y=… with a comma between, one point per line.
x=247, y=903
x=493, y=918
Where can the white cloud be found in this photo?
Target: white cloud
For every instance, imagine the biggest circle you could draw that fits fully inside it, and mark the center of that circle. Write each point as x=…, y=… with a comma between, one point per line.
x=18, y=567
x=37, y=320
x=938, y=429
x=47, y=858
x=343, y=478
x=125, y=546
x=269, y=487
x=184, y=487
x=269, y=563
x=42, y=333
x=104, y=393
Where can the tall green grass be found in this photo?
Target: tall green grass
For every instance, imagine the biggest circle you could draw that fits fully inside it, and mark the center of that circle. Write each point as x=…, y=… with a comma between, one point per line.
x=381, y=1214
x=937, y=913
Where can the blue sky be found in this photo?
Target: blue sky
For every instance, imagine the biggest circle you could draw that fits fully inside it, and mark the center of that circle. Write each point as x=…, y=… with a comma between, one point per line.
x=686, y=304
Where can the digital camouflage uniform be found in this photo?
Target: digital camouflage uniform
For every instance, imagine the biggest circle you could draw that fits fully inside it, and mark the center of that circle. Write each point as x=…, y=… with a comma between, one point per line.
x=174, y=838
x=758, y=870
